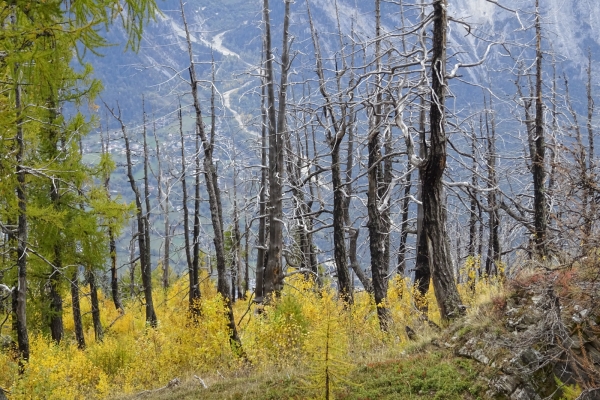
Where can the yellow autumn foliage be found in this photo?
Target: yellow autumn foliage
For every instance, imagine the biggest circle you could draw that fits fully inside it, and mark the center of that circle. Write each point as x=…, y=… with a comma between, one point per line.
x=306, y=327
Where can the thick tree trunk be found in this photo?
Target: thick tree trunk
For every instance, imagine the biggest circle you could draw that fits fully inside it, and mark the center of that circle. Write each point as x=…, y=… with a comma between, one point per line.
x=422, y=271
x=273, y=275
x=339, y=236
x=434, y=201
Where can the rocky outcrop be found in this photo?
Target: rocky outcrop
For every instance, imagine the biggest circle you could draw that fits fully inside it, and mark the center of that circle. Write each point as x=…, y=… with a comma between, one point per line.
x=535, y=342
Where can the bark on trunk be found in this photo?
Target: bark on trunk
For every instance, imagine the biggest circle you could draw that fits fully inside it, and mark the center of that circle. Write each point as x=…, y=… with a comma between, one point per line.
x=538, y=161
x=98, y=330
x=76, y=306
x=214, y=195
x=142, y=232
x=434, y=201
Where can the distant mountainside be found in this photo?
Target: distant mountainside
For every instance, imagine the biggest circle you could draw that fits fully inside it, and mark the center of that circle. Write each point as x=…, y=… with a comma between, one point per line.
x=229, y=31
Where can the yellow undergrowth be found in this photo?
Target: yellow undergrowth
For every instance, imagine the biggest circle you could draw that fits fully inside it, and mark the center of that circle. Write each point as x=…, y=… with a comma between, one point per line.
x=306, y=328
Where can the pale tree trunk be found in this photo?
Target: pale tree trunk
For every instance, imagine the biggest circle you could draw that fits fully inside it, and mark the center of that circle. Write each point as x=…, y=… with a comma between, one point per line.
x=164, y=205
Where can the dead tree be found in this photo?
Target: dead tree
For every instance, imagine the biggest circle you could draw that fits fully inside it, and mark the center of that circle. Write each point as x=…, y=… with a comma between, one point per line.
x=212, y=188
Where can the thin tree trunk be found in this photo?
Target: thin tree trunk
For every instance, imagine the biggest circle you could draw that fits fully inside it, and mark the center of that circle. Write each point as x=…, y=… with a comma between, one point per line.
x=98, y=330
x=538, y=161
x=212, y=186
x=112, y=244
x=262, y=200
x=339, y=124
x=376, y=223
x=186, y=216
x=196, y=232
x=76, y=305
x=142, y=230
x=493, y=260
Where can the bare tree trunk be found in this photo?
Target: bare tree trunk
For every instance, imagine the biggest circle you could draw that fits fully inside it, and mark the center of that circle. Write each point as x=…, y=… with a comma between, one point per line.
x=142, y=230
x=164, y=205
x=494, y=256
x=79, y=336
x=473, y=206
x=376, y=223
x=422, y=270
x=590, y=154
x=339, y=124
x=273, y=275
x=196, y=233
x=401, y=268
x=212, y=187
x=262, y=240
x=98, y=330
x=538, y=161
x=112, y=244
x=434, y=207
x=22, y=233
x=186, y=215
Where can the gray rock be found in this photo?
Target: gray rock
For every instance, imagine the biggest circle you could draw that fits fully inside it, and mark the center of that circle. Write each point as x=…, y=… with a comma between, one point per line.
x=524, y=393
x=504, y=384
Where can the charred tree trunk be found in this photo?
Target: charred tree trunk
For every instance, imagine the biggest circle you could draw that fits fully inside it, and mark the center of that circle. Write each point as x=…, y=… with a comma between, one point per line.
x=98, y=330
x=212, y=187
x=339, y=125
x=273, y=276
x=142, y=230
x=195, y=283
x=434, y=202
x=186, y=215
x=262, y=200
x=376, y=223
x=538, y=161
x=494, y=256
x=112, y=246
x=79, y=336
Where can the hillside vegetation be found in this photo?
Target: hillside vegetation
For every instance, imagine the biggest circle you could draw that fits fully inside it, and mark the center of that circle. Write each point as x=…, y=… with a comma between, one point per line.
x=307, y=332
x=308, y=345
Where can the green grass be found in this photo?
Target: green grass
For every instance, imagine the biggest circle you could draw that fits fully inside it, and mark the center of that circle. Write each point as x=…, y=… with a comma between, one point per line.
x=431, y=375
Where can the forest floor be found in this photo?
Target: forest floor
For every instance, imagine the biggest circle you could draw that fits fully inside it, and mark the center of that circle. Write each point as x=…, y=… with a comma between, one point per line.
x=429, y=372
